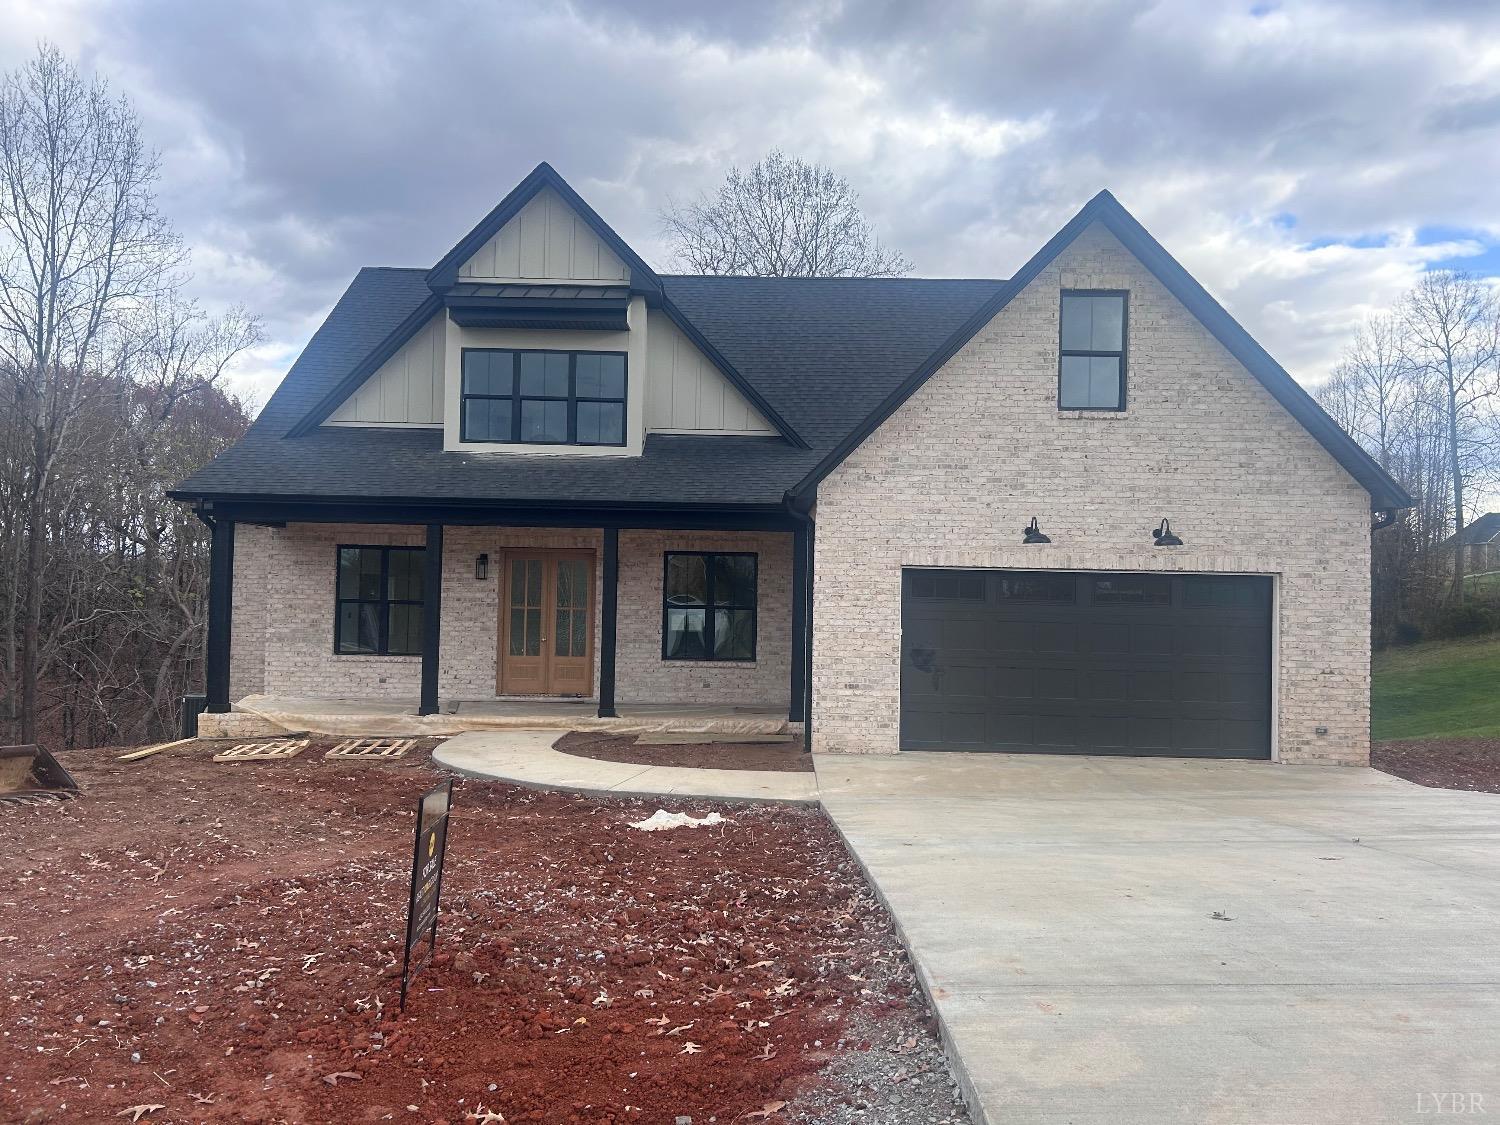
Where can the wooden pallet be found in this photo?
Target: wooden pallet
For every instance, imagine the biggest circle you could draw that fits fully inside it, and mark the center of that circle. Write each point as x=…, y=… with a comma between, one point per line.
x=275, y=750
x=371, y=749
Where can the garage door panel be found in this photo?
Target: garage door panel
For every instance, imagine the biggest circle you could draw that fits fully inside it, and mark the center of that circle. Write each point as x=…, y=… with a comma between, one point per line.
x=1059, y=662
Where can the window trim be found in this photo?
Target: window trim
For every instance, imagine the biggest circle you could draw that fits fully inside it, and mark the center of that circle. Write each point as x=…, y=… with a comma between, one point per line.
x=572, y=398
x=1122, y=354
x=709, y=607
x=382, y=648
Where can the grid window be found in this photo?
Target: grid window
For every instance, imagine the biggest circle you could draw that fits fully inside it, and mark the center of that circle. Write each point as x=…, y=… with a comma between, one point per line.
x=1091, y=370
x=709, y=606
x=543, y=398
x=379, y=611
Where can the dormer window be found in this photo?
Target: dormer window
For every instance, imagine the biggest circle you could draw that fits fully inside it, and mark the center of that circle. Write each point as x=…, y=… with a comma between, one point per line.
x=531, y=397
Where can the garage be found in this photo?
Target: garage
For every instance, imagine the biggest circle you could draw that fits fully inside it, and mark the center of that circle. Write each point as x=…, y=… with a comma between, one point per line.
x=1070, y=662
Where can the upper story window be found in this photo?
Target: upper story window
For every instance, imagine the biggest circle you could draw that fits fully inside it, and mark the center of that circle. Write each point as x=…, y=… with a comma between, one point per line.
x=1091, y=371
x=543, y=398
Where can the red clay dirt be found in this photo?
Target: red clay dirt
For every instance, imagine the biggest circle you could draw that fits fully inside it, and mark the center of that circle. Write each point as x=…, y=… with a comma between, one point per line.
x=222, y=942
x=776, y=757
x=1443, y=763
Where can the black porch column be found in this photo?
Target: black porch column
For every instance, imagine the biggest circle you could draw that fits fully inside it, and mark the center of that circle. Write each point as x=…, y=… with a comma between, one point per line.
x=799, y=624
x=220, y=608
x=609, y=604
x=432, y=617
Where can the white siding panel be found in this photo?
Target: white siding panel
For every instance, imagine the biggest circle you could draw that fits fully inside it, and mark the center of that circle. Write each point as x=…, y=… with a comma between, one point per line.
x=687, y=393
x=406, y=389
x=546, y=241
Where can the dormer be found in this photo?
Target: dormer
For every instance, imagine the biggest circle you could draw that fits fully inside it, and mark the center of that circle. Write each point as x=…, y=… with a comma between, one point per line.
x=547, y=334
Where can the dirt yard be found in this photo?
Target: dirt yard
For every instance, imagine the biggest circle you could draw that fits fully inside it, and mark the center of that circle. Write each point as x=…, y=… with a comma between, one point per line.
x=778, y=757
x=1443, y=763
x=191, y=941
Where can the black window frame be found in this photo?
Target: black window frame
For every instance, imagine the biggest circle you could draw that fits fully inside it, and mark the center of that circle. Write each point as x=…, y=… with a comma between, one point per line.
x=709, y=606
x=385, y=601
x=1122, y=355
x=516, y=398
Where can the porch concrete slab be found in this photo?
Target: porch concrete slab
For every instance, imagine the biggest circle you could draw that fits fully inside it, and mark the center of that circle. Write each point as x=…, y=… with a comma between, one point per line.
x=1061, y=911
x=392, y=717
x=526, y=757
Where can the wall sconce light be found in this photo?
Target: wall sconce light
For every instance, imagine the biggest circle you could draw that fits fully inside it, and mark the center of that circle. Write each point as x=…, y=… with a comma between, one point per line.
x=1164, y=537
x=1033, y=534
x=482, y=567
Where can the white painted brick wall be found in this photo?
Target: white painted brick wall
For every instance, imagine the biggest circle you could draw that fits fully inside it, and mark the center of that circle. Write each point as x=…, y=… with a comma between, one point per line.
x=282, y=634
x=954, y=474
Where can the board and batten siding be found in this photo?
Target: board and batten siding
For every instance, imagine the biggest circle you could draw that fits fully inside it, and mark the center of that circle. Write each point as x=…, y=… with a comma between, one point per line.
x=406, y=390
x=686, y=393
x=545, y=241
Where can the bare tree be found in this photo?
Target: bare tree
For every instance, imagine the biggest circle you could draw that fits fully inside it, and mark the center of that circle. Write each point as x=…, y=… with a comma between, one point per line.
x=1451, y=325
x=82, y=247
x=782, y=218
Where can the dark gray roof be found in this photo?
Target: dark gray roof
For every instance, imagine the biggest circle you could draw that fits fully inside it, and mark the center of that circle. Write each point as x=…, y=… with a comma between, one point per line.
x=542, y=292
x=1481, y=530
x=822, y=352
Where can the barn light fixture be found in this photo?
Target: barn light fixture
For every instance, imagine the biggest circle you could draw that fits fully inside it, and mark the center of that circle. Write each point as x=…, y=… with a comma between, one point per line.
x=482, y=567
x=1033, y=534
x=1164, y=537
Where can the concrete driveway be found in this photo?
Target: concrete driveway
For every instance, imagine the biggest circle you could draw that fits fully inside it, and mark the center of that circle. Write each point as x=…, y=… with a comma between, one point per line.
x=1111, y=941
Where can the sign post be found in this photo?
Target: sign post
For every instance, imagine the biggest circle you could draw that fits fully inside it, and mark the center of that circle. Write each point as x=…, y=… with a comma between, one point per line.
x=426, y=877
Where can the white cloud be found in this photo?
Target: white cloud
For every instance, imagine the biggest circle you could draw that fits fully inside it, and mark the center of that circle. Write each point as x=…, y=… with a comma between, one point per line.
x=1286, y=157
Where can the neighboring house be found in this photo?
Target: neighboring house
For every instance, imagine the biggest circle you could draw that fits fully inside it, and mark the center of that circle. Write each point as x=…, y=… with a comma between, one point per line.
x=1481, y=542
x=540, y=468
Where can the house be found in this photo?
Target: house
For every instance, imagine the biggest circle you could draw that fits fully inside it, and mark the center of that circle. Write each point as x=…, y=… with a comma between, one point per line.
x=1076, y=511
x=1481, y=542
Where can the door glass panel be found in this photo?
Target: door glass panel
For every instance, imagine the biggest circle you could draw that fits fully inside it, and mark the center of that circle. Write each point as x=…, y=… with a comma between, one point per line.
x=526, y=607
x=1132, y=589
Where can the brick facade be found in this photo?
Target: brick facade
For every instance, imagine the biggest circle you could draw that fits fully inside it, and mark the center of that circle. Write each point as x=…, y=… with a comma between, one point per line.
x=952, y=476
x=282, y=632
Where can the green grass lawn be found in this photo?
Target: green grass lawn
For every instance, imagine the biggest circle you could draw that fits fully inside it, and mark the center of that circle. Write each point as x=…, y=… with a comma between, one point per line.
x=1443, y=689
x=1485, y=585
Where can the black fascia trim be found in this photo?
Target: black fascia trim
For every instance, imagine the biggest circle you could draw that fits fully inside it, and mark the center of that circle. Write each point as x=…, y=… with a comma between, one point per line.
x=730, y=372
x=494, y=316
x=1384, y=491
x=366, y=367
x=333, y=509
x=445, y=273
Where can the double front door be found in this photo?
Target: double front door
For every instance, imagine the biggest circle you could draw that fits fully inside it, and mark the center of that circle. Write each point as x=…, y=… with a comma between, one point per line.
x=546, y=624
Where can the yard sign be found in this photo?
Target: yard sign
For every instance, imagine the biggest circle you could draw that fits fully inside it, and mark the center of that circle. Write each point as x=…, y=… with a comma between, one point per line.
x=426, y=877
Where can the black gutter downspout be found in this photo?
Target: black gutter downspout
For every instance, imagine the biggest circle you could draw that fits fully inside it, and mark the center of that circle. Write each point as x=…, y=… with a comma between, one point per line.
x=609, y=612
x=432, y=617
x=803, y=554
x=220, y=611
x=798, y=695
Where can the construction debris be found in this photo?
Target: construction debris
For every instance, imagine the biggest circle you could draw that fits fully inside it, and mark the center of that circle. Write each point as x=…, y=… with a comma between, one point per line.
x=371, y=749
x=146, y=752
x=661, y=820
x=274, y=750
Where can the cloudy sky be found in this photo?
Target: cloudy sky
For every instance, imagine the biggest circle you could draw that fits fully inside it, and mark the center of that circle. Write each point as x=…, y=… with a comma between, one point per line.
x=1306, y=160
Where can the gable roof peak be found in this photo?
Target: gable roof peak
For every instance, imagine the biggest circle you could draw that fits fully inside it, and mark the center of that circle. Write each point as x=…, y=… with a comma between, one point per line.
x=444, y=274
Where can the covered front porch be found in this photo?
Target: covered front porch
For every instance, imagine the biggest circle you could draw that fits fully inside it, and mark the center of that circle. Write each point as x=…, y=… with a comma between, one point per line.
x=272, y=715
x=367, y=619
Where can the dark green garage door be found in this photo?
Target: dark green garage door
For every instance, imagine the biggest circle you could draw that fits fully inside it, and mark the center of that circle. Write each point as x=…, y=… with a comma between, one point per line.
x=1062, y=662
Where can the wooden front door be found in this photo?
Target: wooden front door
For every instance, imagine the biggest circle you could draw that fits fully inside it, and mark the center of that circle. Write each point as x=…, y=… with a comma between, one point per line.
x=546, y=624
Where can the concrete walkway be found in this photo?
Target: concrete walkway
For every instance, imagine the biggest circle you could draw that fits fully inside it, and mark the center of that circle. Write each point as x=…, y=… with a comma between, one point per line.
x=1112, y=941
x=526, y=757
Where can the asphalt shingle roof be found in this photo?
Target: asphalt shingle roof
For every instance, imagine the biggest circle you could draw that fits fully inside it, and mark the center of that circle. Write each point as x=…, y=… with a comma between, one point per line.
x=823, y=352
x=1480, y=530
